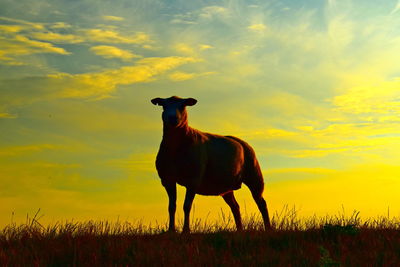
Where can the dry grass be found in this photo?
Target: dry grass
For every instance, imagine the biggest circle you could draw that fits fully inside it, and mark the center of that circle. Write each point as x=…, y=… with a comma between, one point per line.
x=328, y=241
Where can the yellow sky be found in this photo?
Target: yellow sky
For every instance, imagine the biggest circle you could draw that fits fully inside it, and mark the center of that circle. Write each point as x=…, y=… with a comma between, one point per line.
x=313, y=86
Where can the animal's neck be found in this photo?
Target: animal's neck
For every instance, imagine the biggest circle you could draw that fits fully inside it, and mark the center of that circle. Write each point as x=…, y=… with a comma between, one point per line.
x=173, y=137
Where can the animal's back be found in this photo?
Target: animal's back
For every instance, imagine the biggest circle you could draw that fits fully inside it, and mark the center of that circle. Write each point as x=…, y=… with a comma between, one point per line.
x=224, y=165
x=230, y=161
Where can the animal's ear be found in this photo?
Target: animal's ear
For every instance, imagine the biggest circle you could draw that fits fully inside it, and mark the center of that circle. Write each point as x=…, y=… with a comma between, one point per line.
x=190, y=101
x=157, y=101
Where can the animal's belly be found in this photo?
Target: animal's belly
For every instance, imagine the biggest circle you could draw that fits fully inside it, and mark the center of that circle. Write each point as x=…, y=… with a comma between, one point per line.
x=218, y=186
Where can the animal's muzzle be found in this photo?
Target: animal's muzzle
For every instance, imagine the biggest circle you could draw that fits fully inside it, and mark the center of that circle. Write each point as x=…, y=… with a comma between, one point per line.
x=172, y=120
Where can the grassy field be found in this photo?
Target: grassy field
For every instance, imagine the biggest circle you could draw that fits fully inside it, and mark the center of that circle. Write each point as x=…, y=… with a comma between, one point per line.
x=327, y=241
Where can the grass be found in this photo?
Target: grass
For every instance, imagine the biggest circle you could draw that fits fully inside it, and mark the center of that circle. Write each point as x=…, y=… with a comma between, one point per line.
x=317, y=241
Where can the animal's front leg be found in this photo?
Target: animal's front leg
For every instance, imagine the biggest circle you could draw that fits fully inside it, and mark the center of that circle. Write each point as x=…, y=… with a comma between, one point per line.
x=187, y=205
x=171, y=191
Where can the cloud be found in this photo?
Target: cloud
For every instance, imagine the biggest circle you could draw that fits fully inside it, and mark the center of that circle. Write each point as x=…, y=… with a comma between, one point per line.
x=213, y=11
x=350, y=139
x=24, y=92
x=57, y=38
x=257, y=27
x=113, y=18
x=112, y=52
x=184, y=48
x=110, y=36
x=191, y=49
x=195, y=17
x=187, y=18
x=205, y=47
x=181, y=21
x=20, y=38
x=102, y=84
x=331, y=3
x=11, y=28
x=19, y=45
x=27, y=24
x=36, y=46
x=340, y=32
x=60, y=25
x=17, y=40
x=179, y=76
x=373, y=99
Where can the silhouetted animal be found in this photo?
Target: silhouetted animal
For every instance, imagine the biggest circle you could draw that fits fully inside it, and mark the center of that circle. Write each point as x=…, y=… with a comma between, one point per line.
x=206, y=164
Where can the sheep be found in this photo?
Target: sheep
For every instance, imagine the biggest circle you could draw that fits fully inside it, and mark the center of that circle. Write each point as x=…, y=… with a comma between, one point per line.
x=204, y=163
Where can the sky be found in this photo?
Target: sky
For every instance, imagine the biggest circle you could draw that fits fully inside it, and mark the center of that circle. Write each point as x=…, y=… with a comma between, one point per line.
x=313, y=86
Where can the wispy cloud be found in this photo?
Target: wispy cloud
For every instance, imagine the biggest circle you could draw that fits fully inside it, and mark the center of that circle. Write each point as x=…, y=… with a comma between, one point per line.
x=60, y=25
x=259, y=27
x=196, y=16
x=19, y=45
x=211, y=11
x=113, y=18
x=57, y=38
x=110, y=36
x=179, y=76
x=102, y=84
x=34, y=25
x=107, y=51
x=371, y=99
x=184, y=48
x=21, y=38
x=191, y=49
x=10, y=28
x=205, y=47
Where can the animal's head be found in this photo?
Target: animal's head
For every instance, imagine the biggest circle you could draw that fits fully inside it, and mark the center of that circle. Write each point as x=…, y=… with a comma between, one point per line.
x=174, y=113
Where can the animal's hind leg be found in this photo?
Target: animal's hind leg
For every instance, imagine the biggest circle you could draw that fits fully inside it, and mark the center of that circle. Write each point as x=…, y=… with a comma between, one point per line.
x=257, y=187
x=231, y=201
x=187, y=205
